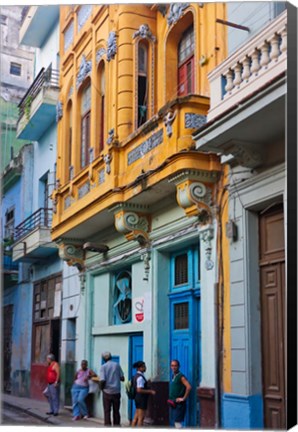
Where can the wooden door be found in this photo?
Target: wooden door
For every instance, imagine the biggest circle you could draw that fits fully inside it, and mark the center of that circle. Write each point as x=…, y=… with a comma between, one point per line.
x=272, y=273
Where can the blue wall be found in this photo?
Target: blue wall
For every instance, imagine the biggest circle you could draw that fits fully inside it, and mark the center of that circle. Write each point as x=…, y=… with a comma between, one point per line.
x=242, y=412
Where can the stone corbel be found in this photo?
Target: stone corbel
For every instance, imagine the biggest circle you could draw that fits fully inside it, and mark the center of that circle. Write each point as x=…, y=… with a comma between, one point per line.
x=135, y=226
x=196, y=199
x=74, y=255
x=168, y=121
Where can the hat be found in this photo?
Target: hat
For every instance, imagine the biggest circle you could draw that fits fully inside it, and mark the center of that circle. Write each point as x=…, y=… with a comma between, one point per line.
x=106, y=355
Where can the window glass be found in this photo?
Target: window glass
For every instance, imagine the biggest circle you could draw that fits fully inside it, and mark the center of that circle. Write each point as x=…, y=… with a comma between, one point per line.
x=186, y=45
x=68, y=36
x=86, y=100
x=15, y=69
x=83, y=14
x=122, y=298
x=181, y=316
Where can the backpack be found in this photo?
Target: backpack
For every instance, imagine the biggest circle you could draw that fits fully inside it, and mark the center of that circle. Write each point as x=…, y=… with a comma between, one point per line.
x=130, y=386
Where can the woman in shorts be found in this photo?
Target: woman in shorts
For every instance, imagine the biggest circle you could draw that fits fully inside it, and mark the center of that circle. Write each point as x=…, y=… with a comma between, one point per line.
x=142, y=393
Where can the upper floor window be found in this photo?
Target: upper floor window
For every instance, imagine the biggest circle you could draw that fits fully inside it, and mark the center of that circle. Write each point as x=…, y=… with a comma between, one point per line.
x=186, y=63
x=142, y=83
x=85, y=124
x=3, y=19
x=9, y=223
x=83, y=14
x=101, y=105
x=68, y=36
x=15, y=69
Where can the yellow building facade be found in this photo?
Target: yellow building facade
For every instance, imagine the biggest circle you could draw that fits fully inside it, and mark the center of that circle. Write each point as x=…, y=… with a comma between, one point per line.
x=133, y=197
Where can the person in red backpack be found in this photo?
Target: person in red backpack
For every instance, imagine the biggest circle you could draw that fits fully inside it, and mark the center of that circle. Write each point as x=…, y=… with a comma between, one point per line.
x=142, y=393
x=53, y=379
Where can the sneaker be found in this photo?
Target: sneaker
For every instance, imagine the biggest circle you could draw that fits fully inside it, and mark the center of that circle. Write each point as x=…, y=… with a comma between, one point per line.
x=76, y=418
x=86, y=417
x=55, y=414
x=50, y=413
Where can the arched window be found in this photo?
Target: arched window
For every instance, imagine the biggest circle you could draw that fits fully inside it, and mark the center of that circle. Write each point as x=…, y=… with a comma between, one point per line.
x=68, y=146
x=186, y=63
x=143, y=83
x=101, y=106
x=85, y=124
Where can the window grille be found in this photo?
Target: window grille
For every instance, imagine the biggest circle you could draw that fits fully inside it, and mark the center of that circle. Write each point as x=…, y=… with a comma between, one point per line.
x=181, y=314
x=122, y=298
x=181, y=269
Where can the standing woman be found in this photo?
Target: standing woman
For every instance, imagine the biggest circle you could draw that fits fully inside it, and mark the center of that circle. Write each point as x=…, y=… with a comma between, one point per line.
x=142, y=393
x=79, y=391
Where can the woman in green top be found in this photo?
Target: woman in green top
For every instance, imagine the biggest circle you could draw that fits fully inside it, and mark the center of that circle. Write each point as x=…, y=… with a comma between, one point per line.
x=179, y=391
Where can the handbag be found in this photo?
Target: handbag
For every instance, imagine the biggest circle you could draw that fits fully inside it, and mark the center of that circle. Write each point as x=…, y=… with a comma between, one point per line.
x=93, y=386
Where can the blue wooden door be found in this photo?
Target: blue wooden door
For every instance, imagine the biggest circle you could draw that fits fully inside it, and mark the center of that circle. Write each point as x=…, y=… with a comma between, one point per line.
x=135, y=354
x=185, y=322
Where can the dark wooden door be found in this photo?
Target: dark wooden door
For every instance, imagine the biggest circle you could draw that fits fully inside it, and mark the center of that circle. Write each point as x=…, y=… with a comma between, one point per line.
x=7, y=347
x=272, y=272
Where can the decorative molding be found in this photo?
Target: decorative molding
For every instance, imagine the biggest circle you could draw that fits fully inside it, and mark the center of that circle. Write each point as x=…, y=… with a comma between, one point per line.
x=206, y=233
x=101, y=176
x=99, y=54
x=59, y=111
x=73, y=254
x=176, y=12
x=137, y=153
x=112, y=46
x=107, y=159
x=194, y=121
x=162, y=9
x=246, y=154
x=195, y=175
x=135, y=226
x=85, y=69
x=146, y=257
x=144, y=32
x=111, y=136
x=168, y=121
x=83, y=190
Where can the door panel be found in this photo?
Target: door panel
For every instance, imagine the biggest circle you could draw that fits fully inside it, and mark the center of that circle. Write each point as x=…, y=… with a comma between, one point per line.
x=7, y=347
x=135, y=354
x=272, y=271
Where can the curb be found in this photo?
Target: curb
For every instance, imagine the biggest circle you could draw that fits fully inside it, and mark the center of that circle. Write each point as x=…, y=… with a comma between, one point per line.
x=28, y=411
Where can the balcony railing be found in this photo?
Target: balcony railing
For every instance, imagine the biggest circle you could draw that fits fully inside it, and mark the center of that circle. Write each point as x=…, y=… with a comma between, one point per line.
x=47, y=78
x=41, y=218
x=261, y=60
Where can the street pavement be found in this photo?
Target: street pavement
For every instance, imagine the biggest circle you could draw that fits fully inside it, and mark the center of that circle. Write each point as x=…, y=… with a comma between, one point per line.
x=38, y=409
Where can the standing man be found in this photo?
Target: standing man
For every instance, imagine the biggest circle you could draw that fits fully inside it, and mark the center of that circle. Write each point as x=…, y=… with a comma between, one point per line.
x=179, y=391
x=110, y=376
x=53, y=379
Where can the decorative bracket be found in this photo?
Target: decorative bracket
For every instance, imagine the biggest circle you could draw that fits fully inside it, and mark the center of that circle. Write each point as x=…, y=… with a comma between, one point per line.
x=74, y=255
x=112, y=138
x=134, y=225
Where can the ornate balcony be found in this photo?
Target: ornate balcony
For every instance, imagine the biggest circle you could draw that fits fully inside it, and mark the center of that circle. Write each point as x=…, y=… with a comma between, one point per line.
x=37, y=109
x=136, y=171
x=260, y=61
x=248, y=90
x=32, y=239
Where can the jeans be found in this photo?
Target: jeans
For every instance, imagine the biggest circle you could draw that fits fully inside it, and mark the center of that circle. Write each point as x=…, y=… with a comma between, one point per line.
x=109, y=401
x=53, y=394
x=177, y=414
x=79, y=394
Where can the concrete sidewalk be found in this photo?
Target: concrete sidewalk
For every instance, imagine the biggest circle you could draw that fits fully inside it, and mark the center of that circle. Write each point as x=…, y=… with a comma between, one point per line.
x=38, y=409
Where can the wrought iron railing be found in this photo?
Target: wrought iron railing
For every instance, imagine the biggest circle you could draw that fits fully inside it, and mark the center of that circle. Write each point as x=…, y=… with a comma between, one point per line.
x=41, y=218
x=46, y=78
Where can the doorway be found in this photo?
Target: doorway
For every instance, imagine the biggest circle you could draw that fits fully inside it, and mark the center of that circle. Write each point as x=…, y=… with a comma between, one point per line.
x=272, y=286
x=7, y=347
x=136, y=352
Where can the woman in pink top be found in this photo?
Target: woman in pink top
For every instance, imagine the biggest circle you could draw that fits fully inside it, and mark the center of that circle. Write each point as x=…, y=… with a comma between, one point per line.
x=79, y=391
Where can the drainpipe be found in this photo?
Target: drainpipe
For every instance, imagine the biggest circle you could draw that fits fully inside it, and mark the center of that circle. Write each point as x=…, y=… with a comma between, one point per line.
x=217, y=360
